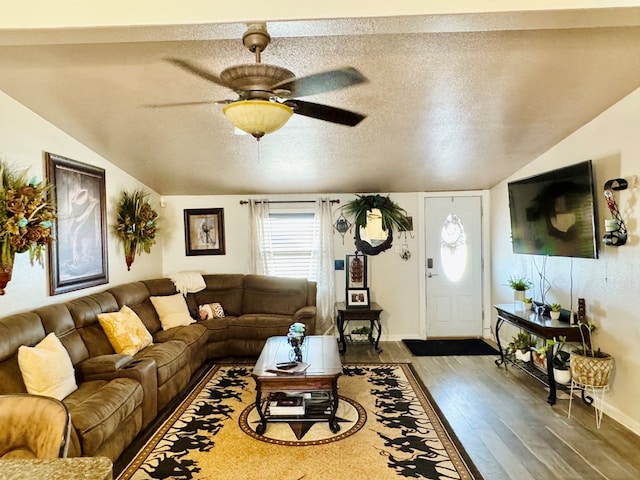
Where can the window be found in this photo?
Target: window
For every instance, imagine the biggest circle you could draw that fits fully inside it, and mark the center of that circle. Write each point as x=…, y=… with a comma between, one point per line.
x=453, y=247
x=291, y=245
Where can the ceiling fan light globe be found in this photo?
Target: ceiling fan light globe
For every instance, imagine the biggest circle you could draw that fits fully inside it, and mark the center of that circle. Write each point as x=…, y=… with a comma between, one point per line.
x=257, y=117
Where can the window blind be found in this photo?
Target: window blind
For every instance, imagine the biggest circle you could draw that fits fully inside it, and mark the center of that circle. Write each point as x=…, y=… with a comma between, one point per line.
x=291, y=245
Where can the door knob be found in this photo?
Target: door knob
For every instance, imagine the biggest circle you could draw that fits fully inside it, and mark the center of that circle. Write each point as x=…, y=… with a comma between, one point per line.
x=429, y=275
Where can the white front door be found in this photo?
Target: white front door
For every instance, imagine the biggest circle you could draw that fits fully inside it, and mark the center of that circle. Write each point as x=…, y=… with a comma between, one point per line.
x=453, y=245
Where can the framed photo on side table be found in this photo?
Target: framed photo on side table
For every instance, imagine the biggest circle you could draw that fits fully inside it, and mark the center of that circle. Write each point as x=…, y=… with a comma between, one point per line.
x=357, y=298
x=204, y=231
x=356, y=271
x=78, y=256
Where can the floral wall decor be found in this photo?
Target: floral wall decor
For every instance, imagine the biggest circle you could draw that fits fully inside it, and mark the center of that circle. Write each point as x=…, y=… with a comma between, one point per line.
x=136, y=225
x=26, y=218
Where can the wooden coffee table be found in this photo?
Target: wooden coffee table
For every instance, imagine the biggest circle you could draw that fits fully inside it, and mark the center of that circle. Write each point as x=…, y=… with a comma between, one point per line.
x=321, y=353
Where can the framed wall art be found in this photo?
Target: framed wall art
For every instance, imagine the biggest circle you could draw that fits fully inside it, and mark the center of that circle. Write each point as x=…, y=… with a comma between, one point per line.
x=357, y=298
x=356, y=271
x=78, y=256
x=204, y=231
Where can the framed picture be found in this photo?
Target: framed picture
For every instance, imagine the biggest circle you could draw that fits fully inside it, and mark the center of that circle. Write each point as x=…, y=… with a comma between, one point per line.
x=204, y=231
x=357, y=298
x=356, y=271
x=78, y=256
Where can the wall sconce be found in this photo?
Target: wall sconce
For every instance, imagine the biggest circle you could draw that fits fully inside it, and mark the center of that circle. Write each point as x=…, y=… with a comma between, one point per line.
x=342, y=226
x=615, y=229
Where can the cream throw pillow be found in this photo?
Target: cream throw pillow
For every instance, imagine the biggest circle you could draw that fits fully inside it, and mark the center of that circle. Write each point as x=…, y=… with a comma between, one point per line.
x=172, y=310
x=47, y=369
x=125, y=331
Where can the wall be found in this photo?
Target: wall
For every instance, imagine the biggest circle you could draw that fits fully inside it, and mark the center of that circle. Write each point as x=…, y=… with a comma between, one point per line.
x=24, y=137
x=609, y=284
x=393, y=282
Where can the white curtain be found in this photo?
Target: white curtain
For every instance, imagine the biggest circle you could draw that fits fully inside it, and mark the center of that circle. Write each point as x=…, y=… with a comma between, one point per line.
x=323, y=262
x=259, y=237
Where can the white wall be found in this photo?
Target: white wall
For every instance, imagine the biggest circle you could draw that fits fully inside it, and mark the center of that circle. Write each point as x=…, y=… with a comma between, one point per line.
x=393, y=282
x=24, y=137
x=609, y=284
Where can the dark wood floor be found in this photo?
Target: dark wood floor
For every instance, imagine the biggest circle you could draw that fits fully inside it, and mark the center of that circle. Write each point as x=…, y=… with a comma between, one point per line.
x=506, y=426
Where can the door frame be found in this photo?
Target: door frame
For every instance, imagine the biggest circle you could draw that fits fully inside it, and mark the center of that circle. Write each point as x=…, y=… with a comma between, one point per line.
x=485, y=225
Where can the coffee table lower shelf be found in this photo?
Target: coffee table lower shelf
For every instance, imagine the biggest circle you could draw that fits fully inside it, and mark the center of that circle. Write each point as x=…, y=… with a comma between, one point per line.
x=262, y=406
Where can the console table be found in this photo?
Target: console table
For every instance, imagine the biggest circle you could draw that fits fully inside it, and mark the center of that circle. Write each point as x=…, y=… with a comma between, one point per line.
x=540, y=326
x=371, y=314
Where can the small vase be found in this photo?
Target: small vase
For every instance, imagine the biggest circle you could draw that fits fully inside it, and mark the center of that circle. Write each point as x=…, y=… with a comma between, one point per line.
x=554, y=315
x=518, y=295
x=562, y=376
x=130, y=255
x=5, y=273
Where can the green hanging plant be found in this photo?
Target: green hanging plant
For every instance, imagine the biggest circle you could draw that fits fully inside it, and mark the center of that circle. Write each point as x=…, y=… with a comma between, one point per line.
x=136, y=225
x=392, y=214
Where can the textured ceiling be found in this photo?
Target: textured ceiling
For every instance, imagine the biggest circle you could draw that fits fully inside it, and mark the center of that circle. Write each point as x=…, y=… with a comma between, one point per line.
x=453, y=102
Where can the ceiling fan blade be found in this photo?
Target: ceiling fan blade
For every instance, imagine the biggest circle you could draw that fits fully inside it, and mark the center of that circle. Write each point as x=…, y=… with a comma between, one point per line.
x=321, y=82
x=188, y=104
x=325, y=112
x=196, y=70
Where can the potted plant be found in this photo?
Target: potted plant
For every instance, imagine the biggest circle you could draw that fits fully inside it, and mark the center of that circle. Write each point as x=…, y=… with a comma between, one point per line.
x=561, y=359
x=519, y=285
x=589, y=365
x=26, y=219
x=136, y=224
x=528, y=303
x=521, y=346
x=392, y=214
x=360, y=333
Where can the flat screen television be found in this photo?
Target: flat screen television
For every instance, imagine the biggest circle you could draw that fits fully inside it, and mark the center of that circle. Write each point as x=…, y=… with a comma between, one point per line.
x=554, y=213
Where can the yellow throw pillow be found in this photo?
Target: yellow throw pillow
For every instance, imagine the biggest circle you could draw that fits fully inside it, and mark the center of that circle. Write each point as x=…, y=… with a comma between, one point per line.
x=47, y=369
x=210, y=310
x=172, y=310
x=125, y=331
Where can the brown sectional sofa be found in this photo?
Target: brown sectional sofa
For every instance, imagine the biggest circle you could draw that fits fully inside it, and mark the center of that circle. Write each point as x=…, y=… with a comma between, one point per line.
x=118, y=395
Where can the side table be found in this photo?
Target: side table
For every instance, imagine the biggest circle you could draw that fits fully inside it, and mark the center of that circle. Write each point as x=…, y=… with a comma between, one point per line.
x=371, y=314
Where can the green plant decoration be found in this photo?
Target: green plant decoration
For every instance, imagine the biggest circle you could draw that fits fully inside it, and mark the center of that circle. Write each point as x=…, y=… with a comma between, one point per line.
x=136, y=225
x=555, y=307
x=519, y=283
x=392, y=214
x=26, y=219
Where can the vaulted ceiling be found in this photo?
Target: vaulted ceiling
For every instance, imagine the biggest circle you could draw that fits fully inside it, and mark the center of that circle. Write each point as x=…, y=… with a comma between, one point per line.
x=453, y=102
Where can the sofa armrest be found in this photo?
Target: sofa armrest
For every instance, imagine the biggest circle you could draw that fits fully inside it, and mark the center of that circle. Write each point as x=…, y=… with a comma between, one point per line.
x=144, y=370
x=102, y=364
x=306, y=315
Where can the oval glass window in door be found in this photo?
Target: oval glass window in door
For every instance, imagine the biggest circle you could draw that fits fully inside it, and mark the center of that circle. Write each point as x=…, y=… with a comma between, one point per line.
x=453, y=248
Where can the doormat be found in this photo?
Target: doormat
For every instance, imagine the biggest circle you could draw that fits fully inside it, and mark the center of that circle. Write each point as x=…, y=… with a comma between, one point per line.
x=442, y=348
x=210, y=436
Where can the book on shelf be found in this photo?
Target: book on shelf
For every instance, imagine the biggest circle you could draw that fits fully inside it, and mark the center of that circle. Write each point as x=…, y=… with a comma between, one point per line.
x=286, y=405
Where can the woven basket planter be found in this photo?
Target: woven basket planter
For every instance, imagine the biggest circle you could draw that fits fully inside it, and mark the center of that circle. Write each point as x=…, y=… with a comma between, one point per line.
x=591, y=371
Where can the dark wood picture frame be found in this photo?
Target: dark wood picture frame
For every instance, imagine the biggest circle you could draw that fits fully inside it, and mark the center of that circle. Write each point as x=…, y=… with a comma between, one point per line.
x=78, y=253
x=357, y=298
x=356, y=271
x=204, y=231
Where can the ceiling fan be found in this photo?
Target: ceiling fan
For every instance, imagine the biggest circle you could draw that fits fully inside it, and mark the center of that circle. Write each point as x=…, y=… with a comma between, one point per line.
x=267, y=94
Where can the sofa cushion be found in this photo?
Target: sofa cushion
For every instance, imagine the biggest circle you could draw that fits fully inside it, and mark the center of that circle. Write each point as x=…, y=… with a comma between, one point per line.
x=47, y=369
x=226, y=289
x=136, y=295
x=98, y=409
x=258, y=326
x=281, y=296
x=125, y=331
x=172, y=310
x=170, y=357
